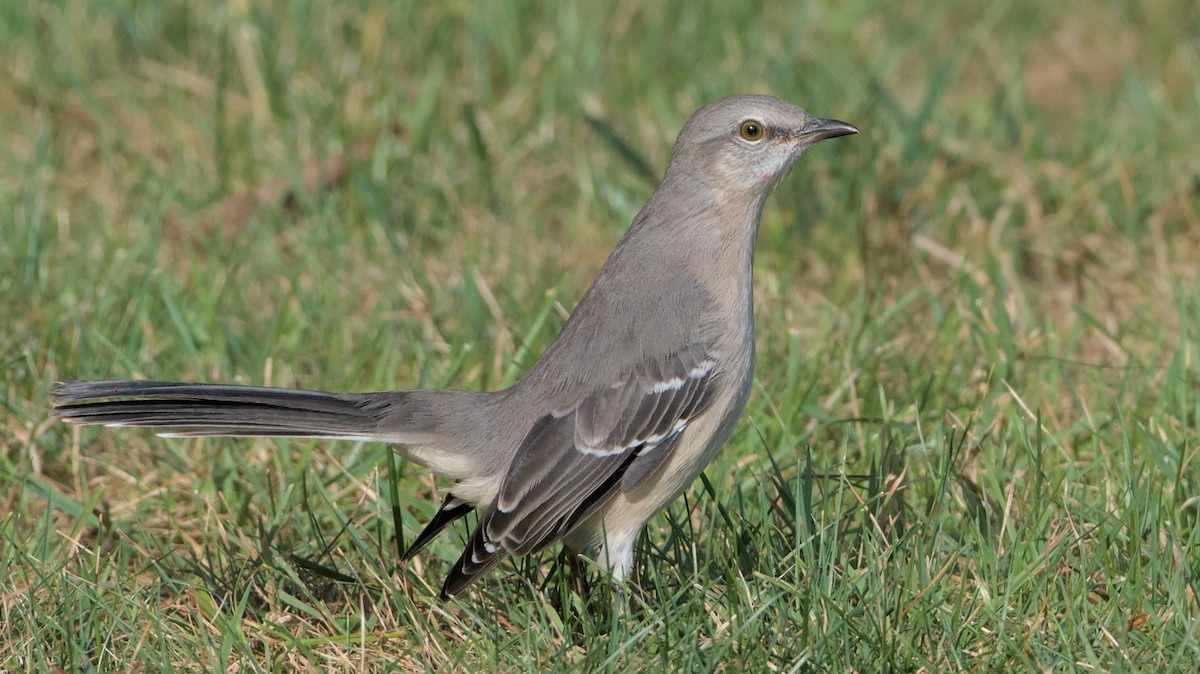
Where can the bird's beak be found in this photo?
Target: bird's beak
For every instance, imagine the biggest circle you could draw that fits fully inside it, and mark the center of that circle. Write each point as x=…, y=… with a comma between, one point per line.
x=827, y=128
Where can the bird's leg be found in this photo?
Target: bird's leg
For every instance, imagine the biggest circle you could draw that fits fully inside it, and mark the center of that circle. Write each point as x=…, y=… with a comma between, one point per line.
x=617, y=557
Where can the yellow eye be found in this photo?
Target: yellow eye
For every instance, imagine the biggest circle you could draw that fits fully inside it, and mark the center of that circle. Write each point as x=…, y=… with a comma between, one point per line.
x=752, y=130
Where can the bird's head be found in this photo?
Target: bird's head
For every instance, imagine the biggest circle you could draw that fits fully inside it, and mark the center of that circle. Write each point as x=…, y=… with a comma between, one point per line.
x=746, y=144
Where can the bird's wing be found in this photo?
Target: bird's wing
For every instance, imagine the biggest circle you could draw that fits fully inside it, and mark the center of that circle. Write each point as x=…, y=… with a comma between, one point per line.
x=574, y=460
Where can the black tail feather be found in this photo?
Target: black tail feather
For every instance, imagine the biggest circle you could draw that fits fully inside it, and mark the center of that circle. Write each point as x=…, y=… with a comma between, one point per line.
x=215, y=409
x=452, y=509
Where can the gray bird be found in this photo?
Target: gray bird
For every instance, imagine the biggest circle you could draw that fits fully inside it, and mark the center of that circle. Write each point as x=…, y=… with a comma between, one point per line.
x=620, y=414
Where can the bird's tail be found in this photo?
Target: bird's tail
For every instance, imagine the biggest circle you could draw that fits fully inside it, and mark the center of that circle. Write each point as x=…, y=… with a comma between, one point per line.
x=195, y=410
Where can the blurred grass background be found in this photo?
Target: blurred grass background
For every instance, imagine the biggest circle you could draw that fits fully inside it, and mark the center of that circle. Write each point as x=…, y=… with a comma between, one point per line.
x=973, y=442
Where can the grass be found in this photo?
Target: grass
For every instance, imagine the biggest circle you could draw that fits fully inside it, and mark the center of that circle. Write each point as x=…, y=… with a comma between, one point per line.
x=973, y=440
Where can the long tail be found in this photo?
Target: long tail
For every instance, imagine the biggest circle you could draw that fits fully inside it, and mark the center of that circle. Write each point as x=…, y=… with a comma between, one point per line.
x=193, y=410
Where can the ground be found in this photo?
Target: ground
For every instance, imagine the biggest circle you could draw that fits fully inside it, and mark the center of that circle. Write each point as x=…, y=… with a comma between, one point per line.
x=972, y=443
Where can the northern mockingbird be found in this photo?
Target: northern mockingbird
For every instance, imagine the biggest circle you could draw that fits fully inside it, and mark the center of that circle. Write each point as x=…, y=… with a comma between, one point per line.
x=618, y=416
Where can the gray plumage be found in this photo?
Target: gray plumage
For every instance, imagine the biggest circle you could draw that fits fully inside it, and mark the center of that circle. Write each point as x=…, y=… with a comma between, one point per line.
x=617, y=417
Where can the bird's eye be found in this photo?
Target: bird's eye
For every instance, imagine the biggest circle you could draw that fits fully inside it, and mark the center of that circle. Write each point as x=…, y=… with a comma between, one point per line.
x=751, y=130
